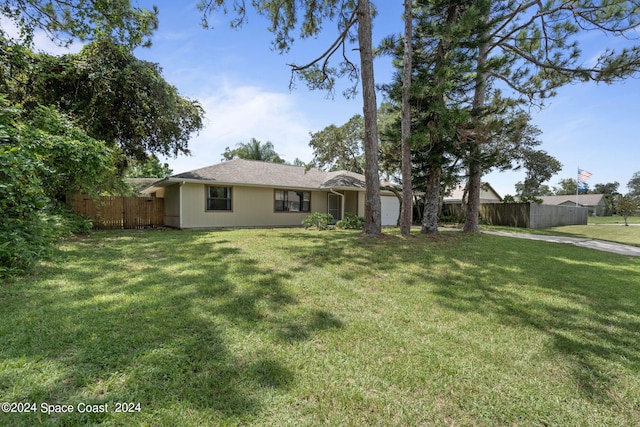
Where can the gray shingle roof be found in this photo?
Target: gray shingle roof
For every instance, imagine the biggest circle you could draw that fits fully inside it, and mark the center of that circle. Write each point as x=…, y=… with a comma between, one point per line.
x=583, y=199
x=139, y=184
x=251, y=172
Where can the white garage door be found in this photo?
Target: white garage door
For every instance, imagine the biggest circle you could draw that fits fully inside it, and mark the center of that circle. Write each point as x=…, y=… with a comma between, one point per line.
x=390, y=207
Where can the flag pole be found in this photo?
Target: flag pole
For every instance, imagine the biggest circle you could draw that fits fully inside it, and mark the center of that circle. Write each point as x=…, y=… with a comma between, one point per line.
x=577, y=186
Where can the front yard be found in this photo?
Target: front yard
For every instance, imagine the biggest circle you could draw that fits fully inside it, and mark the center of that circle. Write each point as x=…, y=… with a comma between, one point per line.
x=295, y=327
x=608, y=228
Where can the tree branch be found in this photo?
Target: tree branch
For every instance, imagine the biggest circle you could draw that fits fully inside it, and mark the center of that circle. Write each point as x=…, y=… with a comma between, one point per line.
x=326, y=56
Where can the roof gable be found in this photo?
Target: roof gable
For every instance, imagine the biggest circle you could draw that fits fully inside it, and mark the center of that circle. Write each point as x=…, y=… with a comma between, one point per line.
x=344, y=179
x=487, y=193
x=582, y=199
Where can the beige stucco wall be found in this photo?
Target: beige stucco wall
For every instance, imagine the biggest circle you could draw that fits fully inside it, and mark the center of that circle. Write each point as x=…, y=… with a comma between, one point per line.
x=351, y=199
x=252, y=207
x=486, y=196
x=172, y=206
x=159, y=193
x=361, y=197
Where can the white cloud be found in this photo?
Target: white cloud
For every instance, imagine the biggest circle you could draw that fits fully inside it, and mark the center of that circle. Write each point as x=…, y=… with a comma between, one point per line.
x=41, y=40
x=237, y=114
x=43, y=43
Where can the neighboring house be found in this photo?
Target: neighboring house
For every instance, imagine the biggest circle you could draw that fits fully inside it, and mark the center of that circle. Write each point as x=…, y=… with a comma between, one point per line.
x=453, y=201
x=487, y=195
x=595, y=202
x=139, y=184
x=248, y=193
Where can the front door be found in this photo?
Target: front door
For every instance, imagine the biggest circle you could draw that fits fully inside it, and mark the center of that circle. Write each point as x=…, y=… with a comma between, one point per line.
x=335, y=206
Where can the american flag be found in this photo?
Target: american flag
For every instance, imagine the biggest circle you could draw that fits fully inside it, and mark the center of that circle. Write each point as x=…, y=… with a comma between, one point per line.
x=583, y=175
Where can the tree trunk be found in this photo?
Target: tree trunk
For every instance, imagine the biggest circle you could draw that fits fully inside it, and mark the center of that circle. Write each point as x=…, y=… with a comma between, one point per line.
x=465, y=196
x=372, y=209
x=407, y=188
x=431, y=202
x=471, y=223
x=472, y=213
x=433, y=186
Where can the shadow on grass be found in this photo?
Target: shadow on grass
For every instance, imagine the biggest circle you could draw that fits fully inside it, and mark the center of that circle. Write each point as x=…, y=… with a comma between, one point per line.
x=583, y=301
x=359, y=254
x=133, y=317
x=196, y=325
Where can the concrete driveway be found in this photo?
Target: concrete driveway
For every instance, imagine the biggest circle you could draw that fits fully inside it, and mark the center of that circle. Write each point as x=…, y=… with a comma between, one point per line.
x=599, y=245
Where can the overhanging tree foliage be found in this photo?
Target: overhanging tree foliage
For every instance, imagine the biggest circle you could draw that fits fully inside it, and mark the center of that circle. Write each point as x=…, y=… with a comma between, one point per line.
x=118, y=98
x=64, y=20
x=115, y=96
x=532, y=48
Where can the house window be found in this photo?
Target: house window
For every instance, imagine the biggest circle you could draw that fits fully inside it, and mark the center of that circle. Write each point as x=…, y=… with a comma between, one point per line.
x=292, y=201
x=218, y=198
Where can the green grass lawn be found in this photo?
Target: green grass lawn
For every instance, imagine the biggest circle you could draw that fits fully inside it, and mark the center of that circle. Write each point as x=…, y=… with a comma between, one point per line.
x=295, y=327
x=609, y=228
x=614, y=219
x=612, y=233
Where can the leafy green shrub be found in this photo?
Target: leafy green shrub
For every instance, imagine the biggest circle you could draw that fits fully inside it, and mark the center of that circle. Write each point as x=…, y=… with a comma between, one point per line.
x=22, y=243
x=351, y=221
x=64, y=223
x=42, y=156
x=22, y=229
x=451, y=219
x=318, y=220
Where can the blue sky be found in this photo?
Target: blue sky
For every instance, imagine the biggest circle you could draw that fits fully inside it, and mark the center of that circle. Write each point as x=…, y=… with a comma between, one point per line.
x=244, y=87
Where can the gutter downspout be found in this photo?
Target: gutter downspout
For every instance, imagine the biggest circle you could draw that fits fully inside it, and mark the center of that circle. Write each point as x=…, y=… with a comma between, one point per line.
x=341, y=202
x=180, y=198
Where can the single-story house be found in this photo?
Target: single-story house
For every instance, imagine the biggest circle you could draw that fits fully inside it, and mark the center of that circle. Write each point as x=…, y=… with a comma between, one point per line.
x=487, y=195
x=139, y=184
x=248, y=193
x=596, y=203
x=453, y=201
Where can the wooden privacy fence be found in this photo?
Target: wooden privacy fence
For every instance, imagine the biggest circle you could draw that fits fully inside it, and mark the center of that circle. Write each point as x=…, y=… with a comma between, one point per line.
x=114, y=212
x=526, y=215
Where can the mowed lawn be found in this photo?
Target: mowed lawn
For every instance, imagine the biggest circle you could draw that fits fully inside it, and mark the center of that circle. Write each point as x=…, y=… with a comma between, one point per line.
x=614, y=219
x=295, y=327
x=609, y=228
x=613, y=233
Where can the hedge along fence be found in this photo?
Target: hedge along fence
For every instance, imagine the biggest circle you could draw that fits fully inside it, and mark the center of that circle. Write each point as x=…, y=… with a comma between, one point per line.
x=527, y=215
x=115, y=212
